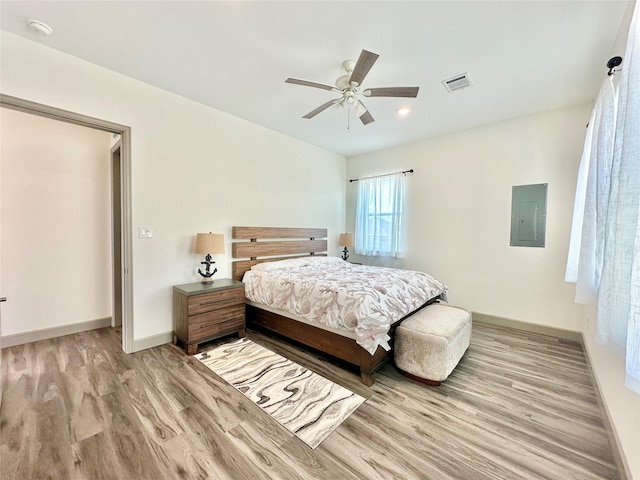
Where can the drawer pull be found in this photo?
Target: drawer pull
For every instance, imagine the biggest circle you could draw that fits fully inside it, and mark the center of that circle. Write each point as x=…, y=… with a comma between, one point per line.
x=212, y=302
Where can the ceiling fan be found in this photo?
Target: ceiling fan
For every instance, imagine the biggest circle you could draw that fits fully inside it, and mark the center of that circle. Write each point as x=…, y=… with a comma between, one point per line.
x=349, y=86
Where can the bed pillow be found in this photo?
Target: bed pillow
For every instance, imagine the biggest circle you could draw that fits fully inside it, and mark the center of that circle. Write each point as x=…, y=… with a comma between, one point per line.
x=320, y=260
x=294, y=262
x=287, y=263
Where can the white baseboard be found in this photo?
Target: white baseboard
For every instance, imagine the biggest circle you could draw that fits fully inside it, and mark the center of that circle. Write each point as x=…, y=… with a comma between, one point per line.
x=154, y=341
x=53, y=332
x=529, y=327
x=618, y=452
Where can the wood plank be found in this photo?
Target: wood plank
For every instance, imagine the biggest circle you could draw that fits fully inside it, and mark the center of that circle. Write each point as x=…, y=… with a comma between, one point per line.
x=277, y=232
x=270, y=249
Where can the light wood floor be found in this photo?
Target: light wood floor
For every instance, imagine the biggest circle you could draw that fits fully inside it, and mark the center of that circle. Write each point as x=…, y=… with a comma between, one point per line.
x=519, y=406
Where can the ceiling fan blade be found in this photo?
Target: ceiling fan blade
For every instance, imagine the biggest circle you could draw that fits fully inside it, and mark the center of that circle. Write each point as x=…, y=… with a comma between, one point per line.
x=365, y=117
x=410, y=92
x=363, y=65
x=321, y=108
x=306, y=83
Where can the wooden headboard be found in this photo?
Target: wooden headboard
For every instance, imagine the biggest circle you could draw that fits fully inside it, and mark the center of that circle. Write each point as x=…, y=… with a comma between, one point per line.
x=275, y=243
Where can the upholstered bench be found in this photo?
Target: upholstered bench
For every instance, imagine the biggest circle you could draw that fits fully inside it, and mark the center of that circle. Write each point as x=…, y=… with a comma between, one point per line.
x=430, y=343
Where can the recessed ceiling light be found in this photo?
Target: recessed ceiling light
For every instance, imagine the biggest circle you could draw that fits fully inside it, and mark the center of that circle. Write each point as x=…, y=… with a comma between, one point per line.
x=403, y=111
x=40, y=27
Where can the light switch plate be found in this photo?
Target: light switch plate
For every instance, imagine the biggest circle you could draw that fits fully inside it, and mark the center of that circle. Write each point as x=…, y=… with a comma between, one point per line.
x=145, y=232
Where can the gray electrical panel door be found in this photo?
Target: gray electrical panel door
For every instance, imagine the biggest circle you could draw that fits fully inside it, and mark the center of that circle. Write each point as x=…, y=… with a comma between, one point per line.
x=528, y=215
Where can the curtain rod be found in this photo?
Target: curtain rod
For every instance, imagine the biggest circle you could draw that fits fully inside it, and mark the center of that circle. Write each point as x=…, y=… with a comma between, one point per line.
x=383, y=175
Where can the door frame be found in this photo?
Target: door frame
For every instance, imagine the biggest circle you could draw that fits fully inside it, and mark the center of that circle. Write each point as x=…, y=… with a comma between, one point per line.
x=126, y=273
x=115, y=171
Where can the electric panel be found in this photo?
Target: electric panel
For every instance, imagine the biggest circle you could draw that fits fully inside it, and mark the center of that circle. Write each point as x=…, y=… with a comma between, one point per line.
x=528, y=215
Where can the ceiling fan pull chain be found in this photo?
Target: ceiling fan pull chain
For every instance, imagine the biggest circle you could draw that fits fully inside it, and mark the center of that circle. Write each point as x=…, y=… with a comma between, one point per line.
x=348, y=120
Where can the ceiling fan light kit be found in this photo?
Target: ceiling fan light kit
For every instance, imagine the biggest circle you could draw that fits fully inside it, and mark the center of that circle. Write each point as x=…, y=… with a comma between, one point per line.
x=349, y=86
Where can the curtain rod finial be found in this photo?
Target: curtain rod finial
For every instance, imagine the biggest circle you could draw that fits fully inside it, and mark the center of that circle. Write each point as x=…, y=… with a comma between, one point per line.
x=613, y=63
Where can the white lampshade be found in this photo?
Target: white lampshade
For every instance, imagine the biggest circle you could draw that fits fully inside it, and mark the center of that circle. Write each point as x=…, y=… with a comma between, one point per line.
x=346, y=240
x=209, y=243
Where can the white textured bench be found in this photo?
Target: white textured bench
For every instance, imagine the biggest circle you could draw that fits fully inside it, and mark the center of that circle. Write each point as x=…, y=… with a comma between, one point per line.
x=430, y=343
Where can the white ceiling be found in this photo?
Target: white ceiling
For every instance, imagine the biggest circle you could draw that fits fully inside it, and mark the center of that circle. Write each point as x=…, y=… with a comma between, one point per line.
x=523, y=57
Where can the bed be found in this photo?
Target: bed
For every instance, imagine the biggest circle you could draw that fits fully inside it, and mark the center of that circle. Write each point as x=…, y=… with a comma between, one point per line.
x=335, y=317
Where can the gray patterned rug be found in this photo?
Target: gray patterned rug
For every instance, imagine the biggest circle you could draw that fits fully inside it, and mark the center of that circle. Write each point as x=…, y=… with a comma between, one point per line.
x=305, y=403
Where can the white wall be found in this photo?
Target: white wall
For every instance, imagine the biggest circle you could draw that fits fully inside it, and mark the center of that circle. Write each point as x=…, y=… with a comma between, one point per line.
x=56, y=223
x=194, y=169
x=459, y=212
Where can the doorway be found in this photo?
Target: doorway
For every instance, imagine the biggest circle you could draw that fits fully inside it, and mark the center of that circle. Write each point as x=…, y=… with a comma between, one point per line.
x=116, y=229
x=121, y=204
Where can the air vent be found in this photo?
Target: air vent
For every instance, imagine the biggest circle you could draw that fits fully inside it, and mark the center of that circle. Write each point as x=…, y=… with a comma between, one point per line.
x=457, y=83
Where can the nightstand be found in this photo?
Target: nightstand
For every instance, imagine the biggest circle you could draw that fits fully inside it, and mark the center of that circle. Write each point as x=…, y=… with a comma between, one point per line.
x=204, y=312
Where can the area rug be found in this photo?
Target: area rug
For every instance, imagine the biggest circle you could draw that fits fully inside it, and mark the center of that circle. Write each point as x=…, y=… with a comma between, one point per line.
x=305, y=403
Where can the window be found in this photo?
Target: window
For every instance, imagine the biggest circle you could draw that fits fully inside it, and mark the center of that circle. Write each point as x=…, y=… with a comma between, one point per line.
x=380, y=216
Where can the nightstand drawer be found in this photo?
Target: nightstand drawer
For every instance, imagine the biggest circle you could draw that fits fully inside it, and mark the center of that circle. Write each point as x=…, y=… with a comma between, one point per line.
x=208, y=302
x=198, y=331
x=217, y=316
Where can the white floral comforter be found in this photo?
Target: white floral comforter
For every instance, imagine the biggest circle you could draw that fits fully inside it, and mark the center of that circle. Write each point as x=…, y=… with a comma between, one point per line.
x=330, y=291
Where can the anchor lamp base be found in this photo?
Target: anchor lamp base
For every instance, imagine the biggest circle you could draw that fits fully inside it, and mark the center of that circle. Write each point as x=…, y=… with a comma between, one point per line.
x=207, y=274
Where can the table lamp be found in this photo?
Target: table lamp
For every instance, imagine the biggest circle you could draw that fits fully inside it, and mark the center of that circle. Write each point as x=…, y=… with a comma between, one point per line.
x=209, y=243
x=346, y=240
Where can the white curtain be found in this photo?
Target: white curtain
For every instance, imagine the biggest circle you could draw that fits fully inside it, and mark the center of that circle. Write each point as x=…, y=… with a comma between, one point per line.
x=608, y=262
x=584, y=265
x=380, y=220
x=619, y=298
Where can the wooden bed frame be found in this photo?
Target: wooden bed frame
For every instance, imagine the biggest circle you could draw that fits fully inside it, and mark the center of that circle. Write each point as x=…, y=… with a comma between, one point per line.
x=274, y=243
